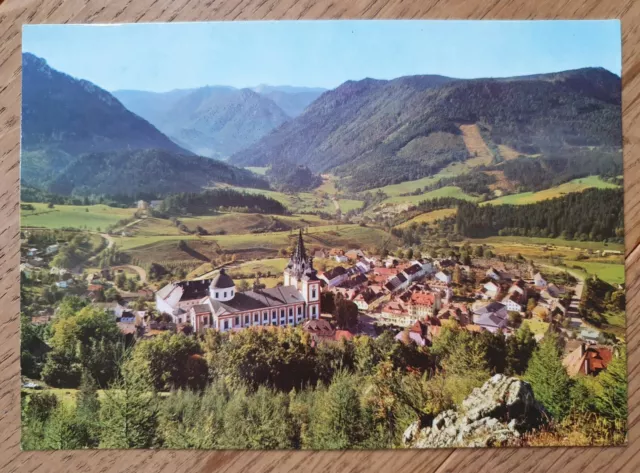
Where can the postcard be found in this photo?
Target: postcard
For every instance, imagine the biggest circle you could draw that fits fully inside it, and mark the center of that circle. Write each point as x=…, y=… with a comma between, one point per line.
x=322, y=235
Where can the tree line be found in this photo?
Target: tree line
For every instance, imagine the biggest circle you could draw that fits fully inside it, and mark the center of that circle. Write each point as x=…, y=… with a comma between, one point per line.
x=595, y=214
x=211, y=201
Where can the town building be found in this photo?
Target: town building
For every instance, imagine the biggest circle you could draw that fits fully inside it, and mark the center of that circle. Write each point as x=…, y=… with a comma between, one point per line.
x=587, y=360
x=215, y=303
x=492, y=317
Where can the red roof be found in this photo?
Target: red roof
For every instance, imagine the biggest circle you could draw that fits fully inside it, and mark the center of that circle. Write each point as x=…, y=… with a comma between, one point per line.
x=340, y=334
x=423, y=298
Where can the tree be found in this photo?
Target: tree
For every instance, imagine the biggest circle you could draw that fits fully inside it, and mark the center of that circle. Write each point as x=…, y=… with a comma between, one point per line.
x=327, y=302
x=172, y=361
x=258, y=421
x=531, y=304
x=121, y=280
x=346, y=313
x=89, y=339
x=548, y=377
x=64, y=431
x=129, y=411
x=337, y=418
x=88, y=407
x=520, y=347
x=243, y=286
x=611, y=399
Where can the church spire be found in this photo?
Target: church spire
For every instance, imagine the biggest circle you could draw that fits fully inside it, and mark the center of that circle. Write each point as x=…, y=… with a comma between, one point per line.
x=299, y=254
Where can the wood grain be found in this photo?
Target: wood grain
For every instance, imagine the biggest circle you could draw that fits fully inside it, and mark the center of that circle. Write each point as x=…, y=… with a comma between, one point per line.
x=14, y=13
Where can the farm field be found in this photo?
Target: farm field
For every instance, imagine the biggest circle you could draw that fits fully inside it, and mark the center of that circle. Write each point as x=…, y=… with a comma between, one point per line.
x=248, y=246
x=447, y=191
x=235, y=223
x=576, y=185
x=90, y=217
x=590, y=245
x=429, y=217
x=609, y=272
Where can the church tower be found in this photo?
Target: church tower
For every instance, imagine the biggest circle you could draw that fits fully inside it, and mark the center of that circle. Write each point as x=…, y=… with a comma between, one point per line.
x=300, y=273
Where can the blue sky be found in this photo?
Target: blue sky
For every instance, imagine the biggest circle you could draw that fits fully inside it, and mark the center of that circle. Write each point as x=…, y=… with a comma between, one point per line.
x=165, y=56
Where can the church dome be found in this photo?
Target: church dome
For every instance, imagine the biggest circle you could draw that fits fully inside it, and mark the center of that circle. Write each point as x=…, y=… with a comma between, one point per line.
x=222, y=281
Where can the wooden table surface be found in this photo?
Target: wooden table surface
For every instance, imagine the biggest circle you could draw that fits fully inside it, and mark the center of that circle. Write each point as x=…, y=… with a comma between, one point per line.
x=14, y=13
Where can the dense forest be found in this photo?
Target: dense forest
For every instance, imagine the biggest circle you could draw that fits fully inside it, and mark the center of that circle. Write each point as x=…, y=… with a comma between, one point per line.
x=150, y=171
x=213, y=200
x=548, y=171
x=595, y=214
x=289, y=177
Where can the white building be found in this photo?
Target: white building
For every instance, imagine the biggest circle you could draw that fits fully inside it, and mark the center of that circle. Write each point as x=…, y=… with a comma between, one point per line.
x=216, y=303
x=443, y=277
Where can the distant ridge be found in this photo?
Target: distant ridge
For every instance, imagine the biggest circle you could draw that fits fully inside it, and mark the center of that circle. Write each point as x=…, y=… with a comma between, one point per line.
x=377, y=132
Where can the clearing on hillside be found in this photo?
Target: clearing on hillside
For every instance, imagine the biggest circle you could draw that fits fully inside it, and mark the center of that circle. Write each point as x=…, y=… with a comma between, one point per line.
x=476, y=146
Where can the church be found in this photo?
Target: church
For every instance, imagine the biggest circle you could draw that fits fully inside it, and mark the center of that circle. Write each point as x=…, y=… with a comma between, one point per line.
x=215, y=303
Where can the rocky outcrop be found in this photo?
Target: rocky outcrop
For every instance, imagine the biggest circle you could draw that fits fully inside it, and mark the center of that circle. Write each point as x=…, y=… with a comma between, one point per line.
x=494, y=415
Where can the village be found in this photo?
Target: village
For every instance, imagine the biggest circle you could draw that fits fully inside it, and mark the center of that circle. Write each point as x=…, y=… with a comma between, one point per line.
x=415, y=298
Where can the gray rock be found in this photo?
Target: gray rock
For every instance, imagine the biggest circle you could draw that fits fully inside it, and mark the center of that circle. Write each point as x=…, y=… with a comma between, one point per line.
x=493, y=415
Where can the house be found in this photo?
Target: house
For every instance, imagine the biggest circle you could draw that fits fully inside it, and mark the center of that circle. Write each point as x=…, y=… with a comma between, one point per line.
x=64, y=284
x=215, y=303
x=320, y=254
x=32, y=252
x=114, y=308
x=334, y=276
x=37, y=261
x=587, y=360
x=364, y=298
x=322, y=331
x=445, y=263
x=363, y=266
x=424, y=304
x=553, y=292
x=27, y=269
x=354, y=255
x=497, y=275
x=396, y=283
x=58, y=271
x=443, y=277
x=396, y=312
x=142, y=205
x=490, y=290
x=514, y=302
x=95, y=287
x=458, y=313
x=418, y=334
x=492, y=317
x=155, y=204
x=52, y=249
x=538, y=281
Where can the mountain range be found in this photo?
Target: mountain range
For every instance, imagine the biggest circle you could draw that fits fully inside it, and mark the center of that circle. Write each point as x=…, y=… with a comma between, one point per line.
x=368, y=132
x=217, y=121
x=377, y=132
x=65, y=119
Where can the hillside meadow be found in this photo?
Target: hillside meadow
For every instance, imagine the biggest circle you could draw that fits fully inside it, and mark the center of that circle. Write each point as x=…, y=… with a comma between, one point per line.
x=90, y=217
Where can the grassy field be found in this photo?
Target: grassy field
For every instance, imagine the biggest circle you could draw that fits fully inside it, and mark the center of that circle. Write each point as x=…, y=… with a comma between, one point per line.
x=258, y=170
x=238, y=223
x=429, y=217
x=552, y=242
x=447, y=191
x=577, y=185
x=537, y=326
x=248, y=246
x=609, y=272
x=90, y=217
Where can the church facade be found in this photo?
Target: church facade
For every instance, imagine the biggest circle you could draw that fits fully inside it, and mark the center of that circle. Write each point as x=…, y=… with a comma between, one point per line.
x=215, y=303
